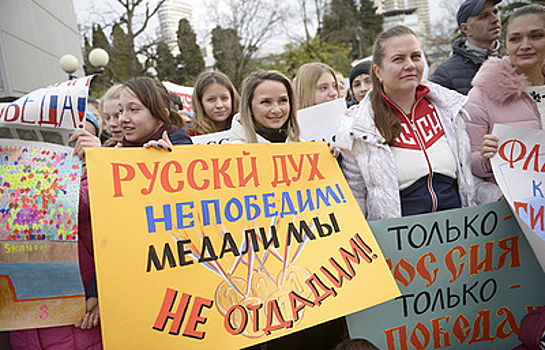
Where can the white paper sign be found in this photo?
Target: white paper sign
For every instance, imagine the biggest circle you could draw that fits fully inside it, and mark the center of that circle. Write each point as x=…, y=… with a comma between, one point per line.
x=317, y=123
x=519, y=169
x=320, y=122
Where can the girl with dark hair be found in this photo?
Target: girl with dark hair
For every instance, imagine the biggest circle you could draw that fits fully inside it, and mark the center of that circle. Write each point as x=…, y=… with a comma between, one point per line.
x=404, y=146
x=145, y=114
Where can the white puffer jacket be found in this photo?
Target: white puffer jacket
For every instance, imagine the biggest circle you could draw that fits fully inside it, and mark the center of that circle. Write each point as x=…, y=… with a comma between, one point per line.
x=368, y=163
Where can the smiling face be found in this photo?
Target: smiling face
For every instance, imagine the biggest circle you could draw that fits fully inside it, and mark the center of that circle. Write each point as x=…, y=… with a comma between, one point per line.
x=525, y=42
x=216, y=102
x=483, y=28
x=110, y=110
x=402, y=66
x=136, y=120
x=270, y=104
x=326, y=88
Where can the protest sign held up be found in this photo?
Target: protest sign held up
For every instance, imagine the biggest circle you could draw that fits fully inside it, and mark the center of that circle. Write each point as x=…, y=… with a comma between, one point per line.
x=237, y=246
x=467, y=276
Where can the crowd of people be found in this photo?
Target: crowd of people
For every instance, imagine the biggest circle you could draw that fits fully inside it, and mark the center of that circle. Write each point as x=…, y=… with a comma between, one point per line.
x=393, y=165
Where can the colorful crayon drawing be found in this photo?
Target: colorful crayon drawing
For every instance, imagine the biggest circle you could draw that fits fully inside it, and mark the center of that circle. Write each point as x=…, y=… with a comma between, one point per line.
x=39, y=191
x=40, y=283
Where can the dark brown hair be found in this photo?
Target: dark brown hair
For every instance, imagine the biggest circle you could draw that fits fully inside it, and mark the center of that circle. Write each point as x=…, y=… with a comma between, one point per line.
x=355, y=344
x=154, y=96
x=386, y=119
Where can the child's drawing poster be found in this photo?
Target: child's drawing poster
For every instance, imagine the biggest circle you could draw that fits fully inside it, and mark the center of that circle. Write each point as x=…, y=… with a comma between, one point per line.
x=40, y=283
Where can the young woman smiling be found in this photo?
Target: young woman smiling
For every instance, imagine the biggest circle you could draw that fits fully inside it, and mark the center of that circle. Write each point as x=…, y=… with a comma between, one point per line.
x=267, y=110
x=504, y=89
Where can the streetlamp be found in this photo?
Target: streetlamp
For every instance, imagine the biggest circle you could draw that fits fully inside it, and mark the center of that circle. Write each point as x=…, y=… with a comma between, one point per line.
x=69, y=64
x=98, y=58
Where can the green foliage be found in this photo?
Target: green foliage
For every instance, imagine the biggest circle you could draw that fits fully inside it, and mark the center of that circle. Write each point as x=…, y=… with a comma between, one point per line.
x=190, y=62
x=297, y=54
x=120, y=55
x=353, y=23
x=165, y=63
x=229, y=54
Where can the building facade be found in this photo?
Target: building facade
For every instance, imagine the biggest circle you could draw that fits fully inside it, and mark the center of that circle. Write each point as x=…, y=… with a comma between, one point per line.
x=414, y=14
x=34, y=34
x=170, y=13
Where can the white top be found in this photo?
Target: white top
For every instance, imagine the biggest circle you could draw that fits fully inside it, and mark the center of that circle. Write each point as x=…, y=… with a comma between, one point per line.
x=538, y=93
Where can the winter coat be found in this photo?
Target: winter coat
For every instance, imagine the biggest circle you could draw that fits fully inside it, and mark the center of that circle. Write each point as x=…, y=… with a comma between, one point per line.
x=368, y=163
x=499, y=96
x=238, y=135
x=459, y=69
x=68, y=337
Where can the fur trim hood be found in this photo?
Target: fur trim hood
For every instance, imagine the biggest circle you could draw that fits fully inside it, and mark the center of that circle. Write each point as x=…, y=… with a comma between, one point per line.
x=498, y=80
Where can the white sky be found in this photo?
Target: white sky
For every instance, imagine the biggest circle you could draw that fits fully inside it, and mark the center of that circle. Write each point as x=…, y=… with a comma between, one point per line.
x=96, y=11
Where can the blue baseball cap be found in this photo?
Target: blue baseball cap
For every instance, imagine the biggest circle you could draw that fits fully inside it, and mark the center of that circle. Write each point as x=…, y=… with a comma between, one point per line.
x=470, y=8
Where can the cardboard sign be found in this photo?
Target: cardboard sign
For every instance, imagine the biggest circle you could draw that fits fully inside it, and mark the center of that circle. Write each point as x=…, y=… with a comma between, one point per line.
x=225, y=246
x=519, y=169
x=40, y=281
x=467, y=276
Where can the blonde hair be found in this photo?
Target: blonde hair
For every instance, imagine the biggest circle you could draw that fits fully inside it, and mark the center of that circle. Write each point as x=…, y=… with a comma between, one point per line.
x=249, y=85
x=306, y=79
x=203, y=124
x=113, y=93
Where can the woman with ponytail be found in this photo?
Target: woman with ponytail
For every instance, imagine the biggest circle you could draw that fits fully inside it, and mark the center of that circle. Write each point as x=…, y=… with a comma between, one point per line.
x=405, y=149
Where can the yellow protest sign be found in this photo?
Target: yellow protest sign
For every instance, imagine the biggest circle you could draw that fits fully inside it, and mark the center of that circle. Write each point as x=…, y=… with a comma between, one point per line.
x=225, y=246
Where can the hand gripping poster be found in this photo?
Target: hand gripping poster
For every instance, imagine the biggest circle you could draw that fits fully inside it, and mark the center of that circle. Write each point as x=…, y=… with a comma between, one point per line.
x=519, y=169
x=40, y=283
x=225, y=246
x=467, y=277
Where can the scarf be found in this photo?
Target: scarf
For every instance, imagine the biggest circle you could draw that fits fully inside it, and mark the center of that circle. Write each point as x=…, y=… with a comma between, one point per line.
x=273, y=135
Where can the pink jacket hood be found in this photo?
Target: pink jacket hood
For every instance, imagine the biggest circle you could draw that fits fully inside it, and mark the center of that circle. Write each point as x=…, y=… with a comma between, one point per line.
x=499, y=81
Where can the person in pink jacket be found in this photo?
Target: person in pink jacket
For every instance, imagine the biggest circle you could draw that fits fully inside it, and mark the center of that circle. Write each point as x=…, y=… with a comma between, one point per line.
x=504, y=89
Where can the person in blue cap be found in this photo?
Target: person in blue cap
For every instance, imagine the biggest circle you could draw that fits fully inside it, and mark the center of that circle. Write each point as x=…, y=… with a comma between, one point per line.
x=480, y=21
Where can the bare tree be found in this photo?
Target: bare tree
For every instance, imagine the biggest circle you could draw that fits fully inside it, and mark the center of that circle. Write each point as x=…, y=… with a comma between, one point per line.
x=130, y=19
x=311, y=16
x=253, y=22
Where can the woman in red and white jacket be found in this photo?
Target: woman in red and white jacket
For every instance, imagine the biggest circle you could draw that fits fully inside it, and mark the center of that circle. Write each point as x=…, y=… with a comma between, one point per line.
x=405, y=150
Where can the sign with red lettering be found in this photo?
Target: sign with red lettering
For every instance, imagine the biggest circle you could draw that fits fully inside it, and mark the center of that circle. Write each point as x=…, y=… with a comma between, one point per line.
x=57, y=106
x=225, y=246
x=519, y=169
x=184, y=92
x=467, y=276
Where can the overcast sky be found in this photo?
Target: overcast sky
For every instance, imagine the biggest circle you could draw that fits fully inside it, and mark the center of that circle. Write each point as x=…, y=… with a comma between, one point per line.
x=95, y=11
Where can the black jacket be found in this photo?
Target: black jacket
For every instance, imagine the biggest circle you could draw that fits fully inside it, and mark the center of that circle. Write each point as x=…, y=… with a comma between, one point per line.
x=457, y=72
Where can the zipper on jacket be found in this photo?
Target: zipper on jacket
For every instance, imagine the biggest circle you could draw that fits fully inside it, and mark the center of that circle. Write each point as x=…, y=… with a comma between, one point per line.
x=410, y=118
